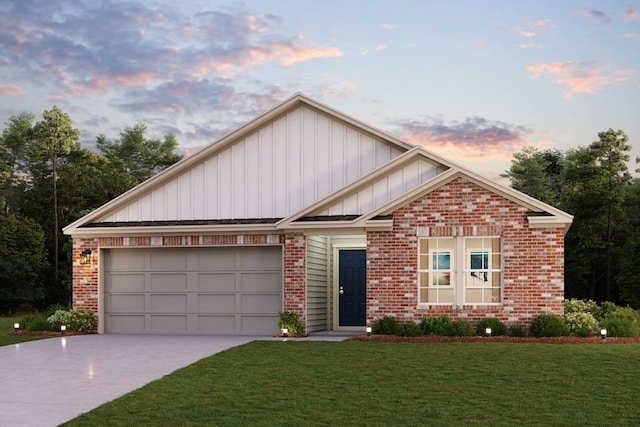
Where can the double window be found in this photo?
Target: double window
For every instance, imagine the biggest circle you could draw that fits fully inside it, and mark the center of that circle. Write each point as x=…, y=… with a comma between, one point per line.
x=459, y=270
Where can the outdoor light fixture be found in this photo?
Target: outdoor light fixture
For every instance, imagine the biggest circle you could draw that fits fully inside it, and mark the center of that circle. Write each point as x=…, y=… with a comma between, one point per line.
x=63, y=329
x=368, y=331
x=488, y=332
x=285, y=332
x=16, y=327
x=86, y=256
x=603, y=333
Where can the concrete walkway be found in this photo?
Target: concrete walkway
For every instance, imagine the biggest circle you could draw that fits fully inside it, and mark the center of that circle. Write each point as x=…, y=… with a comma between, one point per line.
x=51, y=381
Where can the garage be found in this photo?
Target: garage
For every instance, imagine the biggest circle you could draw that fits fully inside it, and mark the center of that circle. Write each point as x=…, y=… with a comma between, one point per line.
x=212, y=290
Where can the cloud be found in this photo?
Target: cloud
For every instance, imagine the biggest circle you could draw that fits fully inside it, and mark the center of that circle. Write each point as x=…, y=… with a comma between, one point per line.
x=381, y=46
x=339, y=90
x=473, y=138
x=388, y=26
x=594, y=14
x=11, y=90
x=527, y=34
x=290, y=54
x=530, y=45
x=630, y=14
x=580, y=78
x=632, y=35
x=542, y=23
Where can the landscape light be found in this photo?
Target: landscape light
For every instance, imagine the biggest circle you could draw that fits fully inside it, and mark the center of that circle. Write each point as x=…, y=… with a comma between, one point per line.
x=16, y=327
x=488, y=332
x=368, y=330
x=63, y=329
x=285, y=332
x=603, y=333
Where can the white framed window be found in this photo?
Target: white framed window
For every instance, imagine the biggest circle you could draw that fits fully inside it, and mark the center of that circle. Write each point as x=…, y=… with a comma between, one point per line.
x=483, y=268
x=477, y=281
x=436, y=271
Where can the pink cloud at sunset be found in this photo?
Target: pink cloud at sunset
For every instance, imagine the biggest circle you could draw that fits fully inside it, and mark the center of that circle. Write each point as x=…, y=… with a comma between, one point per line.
x=630, y=14
x=340, y=90
x=11, y=90
x=580, y=77
x=293, y=54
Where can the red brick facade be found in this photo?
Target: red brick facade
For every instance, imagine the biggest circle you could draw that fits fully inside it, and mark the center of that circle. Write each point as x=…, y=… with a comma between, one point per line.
x=533, y=258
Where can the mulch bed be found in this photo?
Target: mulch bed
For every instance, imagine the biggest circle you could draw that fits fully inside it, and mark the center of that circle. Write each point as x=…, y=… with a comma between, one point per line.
x=503, y=339
x=45, y=333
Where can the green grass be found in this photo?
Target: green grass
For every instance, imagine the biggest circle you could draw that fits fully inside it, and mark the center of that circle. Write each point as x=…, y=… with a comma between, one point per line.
x=6, y=325
x=390, y=384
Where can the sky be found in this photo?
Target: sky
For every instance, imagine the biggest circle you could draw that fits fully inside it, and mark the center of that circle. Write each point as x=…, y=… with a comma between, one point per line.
x=474, y=81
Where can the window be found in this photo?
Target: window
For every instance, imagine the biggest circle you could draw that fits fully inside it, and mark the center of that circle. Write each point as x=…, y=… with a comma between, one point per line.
x=477, y=282
x=435, y=267
x=482, y=270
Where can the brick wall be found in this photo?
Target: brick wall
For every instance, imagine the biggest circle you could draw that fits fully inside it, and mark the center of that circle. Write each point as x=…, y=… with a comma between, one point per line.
x=533, y=259
x=295, y=279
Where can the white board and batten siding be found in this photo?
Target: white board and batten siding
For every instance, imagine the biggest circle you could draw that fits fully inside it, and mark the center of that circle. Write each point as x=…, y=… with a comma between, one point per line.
x=273, y=172
x=385, y=189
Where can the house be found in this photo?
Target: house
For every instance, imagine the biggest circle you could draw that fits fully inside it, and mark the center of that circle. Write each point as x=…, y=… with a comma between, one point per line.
x=309, y=210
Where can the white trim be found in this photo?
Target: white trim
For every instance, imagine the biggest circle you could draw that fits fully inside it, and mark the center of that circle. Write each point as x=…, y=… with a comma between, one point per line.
x=336, y=285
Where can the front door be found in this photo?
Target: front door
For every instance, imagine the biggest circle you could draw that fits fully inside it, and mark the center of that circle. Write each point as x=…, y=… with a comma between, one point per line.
x=352, y=287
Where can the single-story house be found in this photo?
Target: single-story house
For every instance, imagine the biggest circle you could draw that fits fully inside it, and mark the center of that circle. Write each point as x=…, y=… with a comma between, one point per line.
x=309, y=210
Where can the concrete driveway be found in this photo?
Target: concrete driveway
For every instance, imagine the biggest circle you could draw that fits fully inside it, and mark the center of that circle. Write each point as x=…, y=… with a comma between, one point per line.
x=48, y=382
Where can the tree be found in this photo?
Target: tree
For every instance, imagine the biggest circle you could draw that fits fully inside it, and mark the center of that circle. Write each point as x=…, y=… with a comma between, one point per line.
x=15, y=142
x=137, y=157
x=54, y=138
x=22, y=256
x=538, y=174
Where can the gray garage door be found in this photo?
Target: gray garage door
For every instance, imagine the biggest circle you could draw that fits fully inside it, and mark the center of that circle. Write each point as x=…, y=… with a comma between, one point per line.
x=229, y=290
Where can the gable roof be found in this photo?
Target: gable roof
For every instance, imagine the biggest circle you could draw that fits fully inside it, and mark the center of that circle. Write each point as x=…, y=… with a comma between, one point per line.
x=541, y=215
x=143, y=202
x=354, y=195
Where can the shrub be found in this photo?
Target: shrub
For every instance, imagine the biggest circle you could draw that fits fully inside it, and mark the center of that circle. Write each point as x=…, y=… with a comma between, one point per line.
x=408, y=330
x=462, y=328
x=436, y=325
x=548, y=325
x=35, y=323
x=581, y=323
x=581, y=306
x=82, y=320
x=517, y=331
x=291, y=321
x=59, y=318
x=497, y=326
x=621, y=322
x=49, y=311
x=386, y=325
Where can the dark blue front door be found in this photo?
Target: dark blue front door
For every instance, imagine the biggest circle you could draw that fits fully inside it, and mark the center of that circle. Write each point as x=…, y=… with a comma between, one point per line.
x=352, y=287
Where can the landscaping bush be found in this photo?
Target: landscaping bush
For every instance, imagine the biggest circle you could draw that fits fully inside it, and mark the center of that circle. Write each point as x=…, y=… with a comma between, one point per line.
x=35, y=323
x=462, y=328
x=436, y=325
x=408, y=330
x=49, y=311
x=582, y=306
x=548, y=325
x=497, y=326
x=386, y=325
x=82, y=321
x=290, y=321
x=621, y=322
x=58, y=318
x=517, y=331
x=581, y=323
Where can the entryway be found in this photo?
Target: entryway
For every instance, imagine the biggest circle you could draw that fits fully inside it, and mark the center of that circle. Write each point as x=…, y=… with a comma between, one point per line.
x=352, y=287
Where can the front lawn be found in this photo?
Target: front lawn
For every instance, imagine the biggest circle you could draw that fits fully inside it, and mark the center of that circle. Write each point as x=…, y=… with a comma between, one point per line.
x=272, y=383
x=6, y=326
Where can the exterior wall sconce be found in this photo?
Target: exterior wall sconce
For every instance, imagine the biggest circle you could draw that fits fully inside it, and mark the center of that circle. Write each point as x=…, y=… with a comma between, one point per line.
x=488, y=332
x=603, y=333
x=86, y=256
